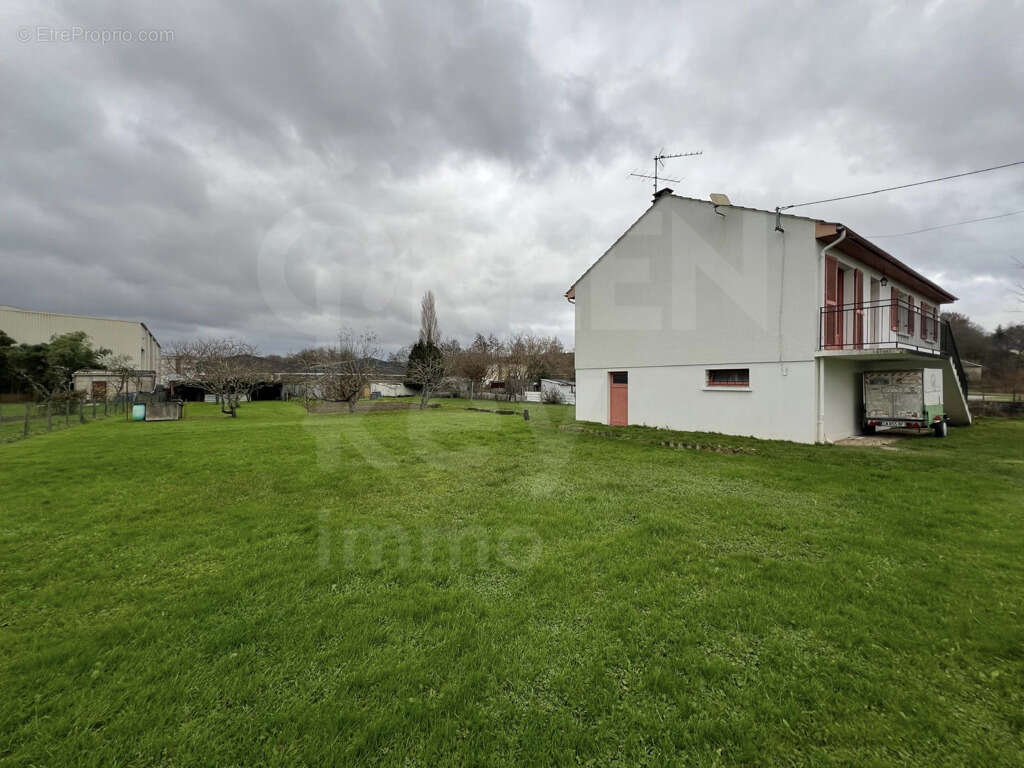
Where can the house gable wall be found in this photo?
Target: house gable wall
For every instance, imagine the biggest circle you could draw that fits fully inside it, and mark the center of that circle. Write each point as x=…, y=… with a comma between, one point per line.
x=687, y=286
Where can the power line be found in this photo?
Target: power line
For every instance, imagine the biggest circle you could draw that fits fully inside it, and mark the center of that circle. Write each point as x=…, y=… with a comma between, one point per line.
x=902, y=186
x=779, y=209
x=943, y=226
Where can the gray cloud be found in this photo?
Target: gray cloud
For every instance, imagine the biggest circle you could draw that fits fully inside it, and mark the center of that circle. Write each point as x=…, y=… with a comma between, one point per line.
x=279, y=172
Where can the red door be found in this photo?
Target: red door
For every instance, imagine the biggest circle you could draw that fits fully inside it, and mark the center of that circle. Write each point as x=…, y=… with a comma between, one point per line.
x=618, y=401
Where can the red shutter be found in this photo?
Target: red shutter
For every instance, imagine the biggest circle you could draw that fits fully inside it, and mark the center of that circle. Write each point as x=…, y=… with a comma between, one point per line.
x=894, y=310
x=831, y=301
x=858, y=309
x=910, y=315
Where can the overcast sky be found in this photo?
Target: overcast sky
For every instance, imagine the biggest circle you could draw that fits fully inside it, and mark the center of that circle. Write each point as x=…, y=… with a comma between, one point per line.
x=276, y=170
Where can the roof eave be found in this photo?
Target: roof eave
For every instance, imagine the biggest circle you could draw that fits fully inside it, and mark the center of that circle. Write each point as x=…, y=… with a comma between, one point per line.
x=898, y=270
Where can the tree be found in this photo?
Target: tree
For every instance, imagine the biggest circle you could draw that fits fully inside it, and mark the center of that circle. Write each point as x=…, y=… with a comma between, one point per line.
x=122, y=369
x=225, y=367
x=48, y=369
x=430, y=330
x=474, y=363
x=345, y=370
x=7, y=378
x=426, y=370
x=427, y=365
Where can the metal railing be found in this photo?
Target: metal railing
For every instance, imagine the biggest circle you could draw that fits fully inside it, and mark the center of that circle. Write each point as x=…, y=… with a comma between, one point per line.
x=879, y=325
x=949, y=350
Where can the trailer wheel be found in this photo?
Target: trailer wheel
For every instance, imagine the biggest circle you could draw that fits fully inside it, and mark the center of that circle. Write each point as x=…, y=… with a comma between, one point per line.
x=941, y=429
x=869, y=429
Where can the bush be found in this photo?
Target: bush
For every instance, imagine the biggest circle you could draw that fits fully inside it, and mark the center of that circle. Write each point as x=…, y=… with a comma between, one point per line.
x=552, y=396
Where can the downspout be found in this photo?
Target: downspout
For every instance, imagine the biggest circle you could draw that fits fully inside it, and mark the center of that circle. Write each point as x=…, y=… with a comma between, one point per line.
x=820, y=431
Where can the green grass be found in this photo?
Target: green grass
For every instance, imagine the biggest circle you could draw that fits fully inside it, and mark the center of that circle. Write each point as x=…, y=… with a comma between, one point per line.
x=448, y=587
x=12, y=419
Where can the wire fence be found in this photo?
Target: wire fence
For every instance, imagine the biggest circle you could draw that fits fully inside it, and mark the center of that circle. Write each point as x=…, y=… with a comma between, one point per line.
x=19, y=421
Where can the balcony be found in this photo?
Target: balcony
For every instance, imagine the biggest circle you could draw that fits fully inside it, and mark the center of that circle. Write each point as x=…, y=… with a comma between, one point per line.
x=889, y=329
x=879, y=326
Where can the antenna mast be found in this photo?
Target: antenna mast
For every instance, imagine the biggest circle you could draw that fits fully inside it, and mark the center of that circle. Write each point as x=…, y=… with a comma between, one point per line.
x=659, y=160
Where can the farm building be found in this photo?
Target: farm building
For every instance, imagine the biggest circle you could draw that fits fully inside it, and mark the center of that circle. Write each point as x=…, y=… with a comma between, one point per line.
x=122, y=337
x=101, y=384
x=707, y=316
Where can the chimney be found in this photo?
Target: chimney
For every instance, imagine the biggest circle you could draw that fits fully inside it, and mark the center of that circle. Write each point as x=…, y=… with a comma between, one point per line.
x=663, y=192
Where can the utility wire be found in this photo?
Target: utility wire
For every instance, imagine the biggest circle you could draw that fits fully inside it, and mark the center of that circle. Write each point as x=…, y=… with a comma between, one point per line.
x=901, y=186
x=943, y=226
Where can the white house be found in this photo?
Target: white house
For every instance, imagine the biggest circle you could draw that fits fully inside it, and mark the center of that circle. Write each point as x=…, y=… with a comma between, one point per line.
x=713, y=317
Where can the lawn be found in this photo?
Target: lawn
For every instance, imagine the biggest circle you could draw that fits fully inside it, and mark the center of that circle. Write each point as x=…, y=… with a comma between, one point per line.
x=449, y=587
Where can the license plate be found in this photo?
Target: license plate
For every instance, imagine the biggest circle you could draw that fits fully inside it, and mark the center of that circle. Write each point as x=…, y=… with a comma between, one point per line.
x=889, y=423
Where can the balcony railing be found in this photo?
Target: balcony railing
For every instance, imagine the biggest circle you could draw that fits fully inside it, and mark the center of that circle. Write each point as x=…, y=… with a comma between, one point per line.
x=879, y=325
x=882, y=325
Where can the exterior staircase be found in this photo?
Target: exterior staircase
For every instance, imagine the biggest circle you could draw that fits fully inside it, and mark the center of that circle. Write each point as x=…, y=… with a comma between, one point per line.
x=954, y=381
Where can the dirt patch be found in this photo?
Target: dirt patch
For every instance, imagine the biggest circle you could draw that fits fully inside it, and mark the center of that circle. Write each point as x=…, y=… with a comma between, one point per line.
x=889, y=441
x=490, y=410
x=674, y=444
x=324, y=408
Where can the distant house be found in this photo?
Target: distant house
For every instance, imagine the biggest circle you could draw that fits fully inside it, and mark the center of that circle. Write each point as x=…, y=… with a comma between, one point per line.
x=707, y=316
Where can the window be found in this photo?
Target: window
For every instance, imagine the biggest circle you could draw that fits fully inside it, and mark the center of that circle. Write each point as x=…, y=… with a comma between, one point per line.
x=728, y=377
x=620, y=378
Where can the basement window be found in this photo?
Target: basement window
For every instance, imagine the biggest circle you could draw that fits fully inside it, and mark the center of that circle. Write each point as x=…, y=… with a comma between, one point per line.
x=728, y=377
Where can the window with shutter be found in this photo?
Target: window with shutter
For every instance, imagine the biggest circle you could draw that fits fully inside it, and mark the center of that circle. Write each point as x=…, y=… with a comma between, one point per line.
x=894, y=310
x=858, y=309
x=910, y=315
x=833, y=328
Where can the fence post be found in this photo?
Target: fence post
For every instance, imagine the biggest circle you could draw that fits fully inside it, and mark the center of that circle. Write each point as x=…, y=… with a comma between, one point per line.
x=94, y=409
x=49, y=416
x=67, y=412
x=105, y=401
x=28, y=408
x=81, y=411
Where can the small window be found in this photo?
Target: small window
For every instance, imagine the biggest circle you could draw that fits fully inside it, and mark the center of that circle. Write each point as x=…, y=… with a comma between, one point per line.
x=729, y=377
x=620, y=378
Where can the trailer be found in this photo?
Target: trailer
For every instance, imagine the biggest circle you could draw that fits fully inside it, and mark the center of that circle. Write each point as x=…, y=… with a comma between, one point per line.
x=904, y=400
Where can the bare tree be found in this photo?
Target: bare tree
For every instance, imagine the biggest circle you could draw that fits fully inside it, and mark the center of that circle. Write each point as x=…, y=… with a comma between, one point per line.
x=430, y=330
x=427, y=371
x=474, y=362
x=226, y=368
x=346, y=369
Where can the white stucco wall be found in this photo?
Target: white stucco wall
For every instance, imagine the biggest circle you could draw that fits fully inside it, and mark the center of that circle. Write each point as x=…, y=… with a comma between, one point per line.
x=776, y=406
x=686, y=289
x=687, y=286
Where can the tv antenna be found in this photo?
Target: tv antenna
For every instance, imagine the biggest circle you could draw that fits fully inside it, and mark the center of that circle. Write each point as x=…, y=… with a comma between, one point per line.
x=659, y=162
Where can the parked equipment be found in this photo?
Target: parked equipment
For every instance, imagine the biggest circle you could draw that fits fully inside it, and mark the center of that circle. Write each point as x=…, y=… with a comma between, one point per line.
x=904, y=400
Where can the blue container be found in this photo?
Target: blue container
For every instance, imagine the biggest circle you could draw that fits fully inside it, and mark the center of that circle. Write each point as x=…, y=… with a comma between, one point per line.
x=139, y=412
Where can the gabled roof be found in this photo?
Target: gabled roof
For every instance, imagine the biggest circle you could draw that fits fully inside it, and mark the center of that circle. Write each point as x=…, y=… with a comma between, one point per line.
x=853, y=244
